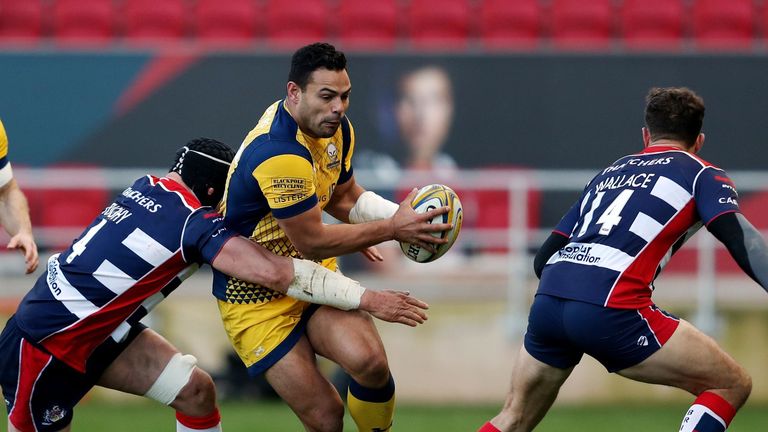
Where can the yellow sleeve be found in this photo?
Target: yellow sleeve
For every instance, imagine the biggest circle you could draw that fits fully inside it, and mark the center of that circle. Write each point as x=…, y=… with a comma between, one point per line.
x=5, y=166
x=348, y=159
x=3, y=142
x=287, y=182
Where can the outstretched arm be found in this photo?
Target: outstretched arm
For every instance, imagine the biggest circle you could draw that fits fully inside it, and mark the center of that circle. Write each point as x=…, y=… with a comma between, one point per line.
x=14, y=217
x=745, y=244
x=310, y=282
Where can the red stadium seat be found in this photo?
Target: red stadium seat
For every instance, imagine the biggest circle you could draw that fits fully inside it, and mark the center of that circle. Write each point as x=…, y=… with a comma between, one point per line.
x=723, y=24
x=439, y=24
x=148, y=21
x=21, y=21
x=582, y=24
x=652, y=24
x=83, y=21
x=508, y=24
x=231, y=21
x=287, y=28
x=368, y=24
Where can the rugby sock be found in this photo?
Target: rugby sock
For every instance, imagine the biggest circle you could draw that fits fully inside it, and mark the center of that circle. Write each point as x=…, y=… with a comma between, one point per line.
x=709, y=413
x=488, y=427
x=372, y=409
x=209, y=423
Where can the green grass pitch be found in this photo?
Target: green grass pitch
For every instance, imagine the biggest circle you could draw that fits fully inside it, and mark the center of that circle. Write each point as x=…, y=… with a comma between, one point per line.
x=276, y=417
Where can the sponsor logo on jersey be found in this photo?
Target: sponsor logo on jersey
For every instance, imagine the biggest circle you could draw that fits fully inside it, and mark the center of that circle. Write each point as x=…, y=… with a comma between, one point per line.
x=282, y=199
x=52, y=415
x=53, y=275
x=728, y=200
x=730, y=188
x=142, y=200
x=579, y=253
x=333, y=156
x=642, y=341
x=640, y=162
x=289, y=183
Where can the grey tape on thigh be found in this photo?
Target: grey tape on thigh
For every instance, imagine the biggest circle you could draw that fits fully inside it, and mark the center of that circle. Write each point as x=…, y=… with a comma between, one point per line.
x=172, y=379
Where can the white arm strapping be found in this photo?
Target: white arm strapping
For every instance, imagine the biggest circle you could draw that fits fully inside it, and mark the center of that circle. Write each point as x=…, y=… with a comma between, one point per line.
x=316, y=284
x=371, y=207
x=6, y=174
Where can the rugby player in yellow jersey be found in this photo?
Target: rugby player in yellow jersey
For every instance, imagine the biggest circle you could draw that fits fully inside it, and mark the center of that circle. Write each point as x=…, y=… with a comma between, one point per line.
x=293, y=165
x=14, y=211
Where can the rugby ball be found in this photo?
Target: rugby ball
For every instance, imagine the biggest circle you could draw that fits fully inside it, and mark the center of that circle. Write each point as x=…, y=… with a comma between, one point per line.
x=428, y=198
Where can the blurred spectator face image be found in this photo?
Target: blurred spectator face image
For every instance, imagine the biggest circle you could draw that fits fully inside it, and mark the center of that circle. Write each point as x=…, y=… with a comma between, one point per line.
x=424, y=113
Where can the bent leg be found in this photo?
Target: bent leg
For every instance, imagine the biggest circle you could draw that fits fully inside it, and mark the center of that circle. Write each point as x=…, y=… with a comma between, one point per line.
x=300, y=384
x=350, y=339
x=692, y=361
x=534, y=388
x=151, y=362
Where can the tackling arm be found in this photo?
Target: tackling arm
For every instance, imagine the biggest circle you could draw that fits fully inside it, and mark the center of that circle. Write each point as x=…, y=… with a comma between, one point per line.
x=310, y=282
x=14, y=217
x=745, y=244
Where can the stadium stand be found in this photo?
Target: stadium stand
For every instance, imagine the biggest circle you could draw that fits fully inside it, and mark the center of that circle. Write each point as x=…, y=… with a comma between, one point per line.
x=368, y=24
x=490, y=25
x=439, y=24
x=21, y=21
x=288, y=29
x=510, y=25
x=152, y=21
x=83, y=22
x=652, y=24
x=723, y=24
x=226, y=22
x=582, y=24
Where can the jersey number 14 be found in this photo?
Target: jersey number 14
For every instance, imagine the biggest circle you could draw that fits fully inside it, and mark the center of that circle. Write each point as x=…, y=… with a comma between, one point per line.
x=610, y=217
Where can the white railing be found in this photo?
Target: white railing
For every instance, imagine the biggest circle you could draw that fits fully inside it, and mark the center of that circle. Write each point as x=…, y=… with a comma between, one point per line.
x=516, y=237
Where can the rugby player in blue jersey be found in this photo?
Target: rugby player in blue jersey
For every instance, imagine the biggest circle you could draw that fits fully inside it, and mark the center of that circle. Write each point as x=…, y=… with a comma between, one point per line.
x=14, y=211
x=79, y=325
x=598, y=267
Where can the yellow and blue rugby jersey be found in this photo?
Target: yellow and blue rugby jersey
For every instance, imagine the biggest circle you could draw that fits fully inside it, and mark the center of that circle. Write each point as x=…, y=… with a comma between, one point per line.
x=5, y=166
x=277, y=173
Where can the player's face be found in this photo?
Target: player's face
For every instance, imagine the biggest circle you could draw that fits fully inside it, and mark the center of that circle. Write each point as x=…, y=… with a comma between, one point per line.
x=323, y=103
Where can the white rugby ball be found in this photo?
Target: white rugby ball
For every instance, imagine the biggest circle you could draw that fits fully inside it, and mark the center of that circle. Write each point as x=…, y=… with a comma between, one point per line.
x=428, y=198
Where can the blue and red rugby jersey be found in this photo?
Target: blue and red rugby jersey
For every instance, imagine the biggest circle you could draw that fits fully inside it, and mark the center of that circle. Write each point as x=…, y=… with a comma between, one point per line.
x=138, y=250
x=629, y=220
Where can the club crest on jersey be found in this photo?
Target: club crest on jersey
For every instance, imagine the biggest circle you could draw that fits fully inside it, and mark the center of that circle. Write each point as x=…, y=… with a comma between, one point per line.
x=54, y=414
x=333, y=156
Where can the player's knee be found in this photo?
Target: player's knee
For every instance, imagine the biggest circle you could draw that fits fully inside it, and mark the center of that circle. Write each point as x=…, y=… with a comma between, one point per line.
x=743, y=383
x=198, y=397
x=370, y=367
x=326, y=418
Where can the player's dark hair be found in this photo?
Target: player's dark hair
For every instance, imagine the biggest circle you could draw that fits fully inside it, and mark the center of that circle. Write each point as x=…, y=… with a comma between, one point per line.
x=313, y=57
x=675, y=113
x=203, y=163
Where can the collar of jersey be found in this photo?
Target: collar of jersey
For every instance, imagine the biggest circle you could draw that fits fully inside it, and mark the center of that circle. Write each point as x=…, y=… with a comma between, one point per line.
x=660, y=149
x=175, y=186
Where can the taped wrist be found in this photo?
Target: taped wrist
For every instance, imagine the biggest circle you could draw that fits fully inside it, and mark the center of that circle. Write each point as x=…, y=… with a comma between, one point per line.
x=316, y=284
x=371, y=207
